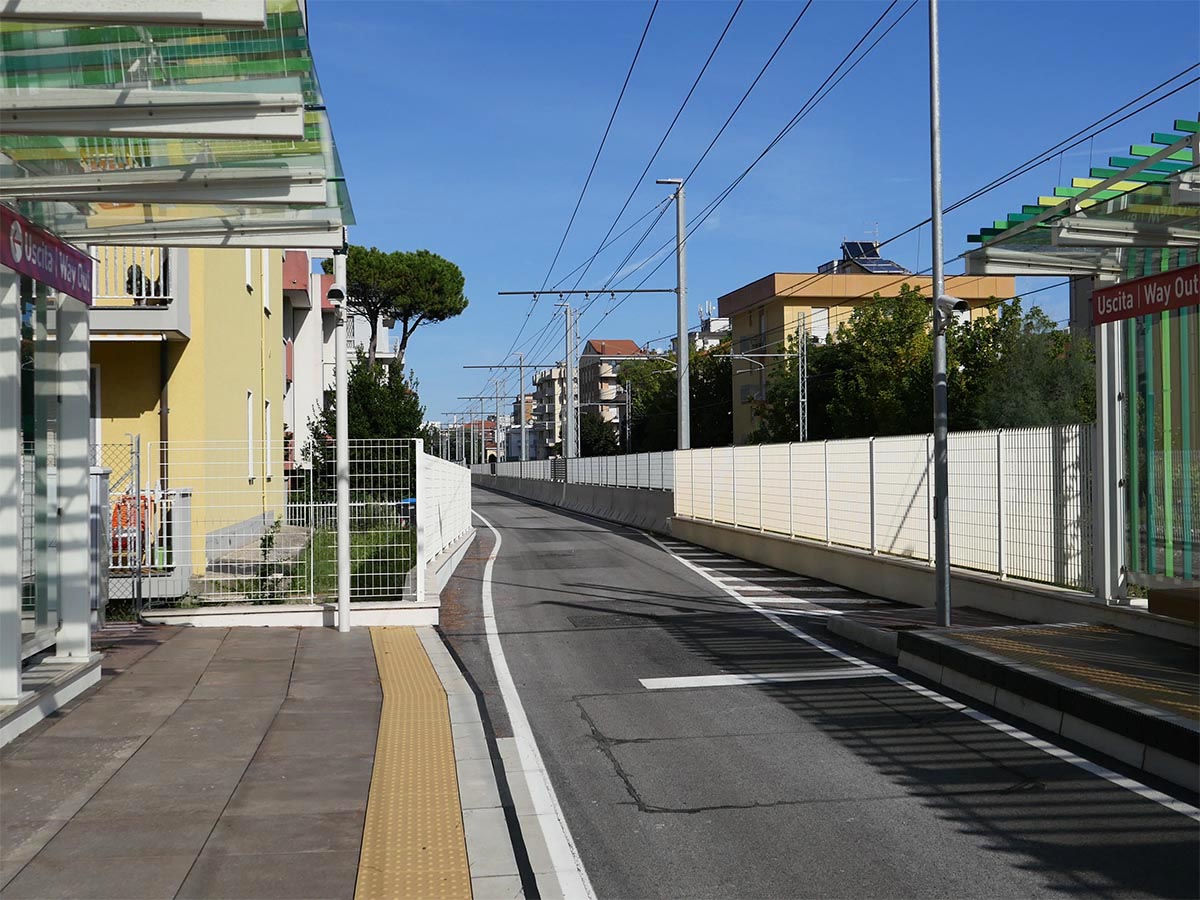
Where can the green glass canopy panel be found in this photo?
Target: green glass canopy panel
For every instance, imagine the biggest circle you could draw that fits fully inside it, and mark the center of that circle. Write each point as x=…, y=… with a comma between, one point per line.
x=276, y=59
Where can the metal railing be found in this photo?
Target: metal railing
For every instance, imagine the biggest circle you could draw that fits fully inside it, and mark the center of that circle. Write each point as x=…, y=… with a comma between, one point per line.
x=1020, y=500
x=132, y=276
x=653, y=471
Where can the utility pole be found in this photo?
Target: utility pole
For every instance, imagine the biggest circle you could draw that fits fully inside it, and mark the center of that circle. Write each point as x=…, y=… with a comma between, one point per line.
x=628, y=411
x=802, y=374
x=941, y=463
x=683, y=355
x=521, y=407
x=570, y=423
x=496, y=430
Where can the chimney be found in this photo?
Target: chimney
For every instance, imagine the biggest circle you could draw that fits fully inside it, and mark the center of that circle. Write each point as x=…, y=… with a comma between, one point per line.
x=602, y=346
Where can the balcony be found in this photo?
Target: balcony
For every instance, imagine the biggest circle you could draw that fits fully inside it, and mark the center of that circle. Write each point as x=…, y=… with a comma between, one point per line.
x=134, y=294
x=296, y=267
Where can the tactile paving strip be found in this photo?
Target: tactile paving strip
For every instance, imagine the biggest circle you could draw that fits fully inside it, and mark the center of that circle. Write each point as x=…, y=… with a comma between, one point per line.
x=413, y=843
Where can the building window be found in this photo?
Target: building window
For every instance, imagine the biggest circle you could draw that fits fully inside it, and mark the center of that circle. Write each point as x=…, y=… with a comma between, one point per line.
x=267, y=439
x=266, y=281
x=249, y=270
x=250, y=435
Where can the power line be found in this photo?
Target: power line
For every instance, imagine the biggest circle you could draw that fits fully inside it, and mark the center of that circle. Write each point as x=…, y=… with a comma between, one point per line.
x=707, y=150
x=653, y=156
x=592, y=169
x=830, y=82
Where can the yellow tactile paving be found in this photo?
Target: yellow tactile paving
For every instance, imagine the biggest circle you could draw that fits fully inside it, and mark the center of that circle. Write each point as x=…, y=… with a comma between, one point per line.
x=1090, y=671
x=413, y=843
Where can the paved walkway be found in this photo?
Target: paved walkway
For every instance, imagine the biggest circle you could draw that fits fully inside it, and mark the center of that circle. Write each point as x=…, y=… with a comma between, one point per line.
x=233, y=763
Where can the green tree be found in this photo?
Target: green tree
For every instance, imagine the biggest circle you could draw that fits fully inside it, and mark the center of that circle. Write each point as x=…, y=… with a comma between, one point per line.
x=414, y=288
x=654, y=412
x=596, y=437
x=381, y=403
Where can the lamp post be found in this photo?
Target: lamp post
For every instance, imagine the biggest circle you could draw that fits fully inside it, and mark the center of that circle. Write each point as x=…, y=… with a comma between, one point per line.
x=941, y=317
x=684, y=441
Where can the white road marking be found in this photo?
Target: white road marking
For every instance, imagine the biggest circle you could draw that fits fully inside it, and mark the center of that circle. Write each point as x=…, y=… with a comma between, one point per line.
x=569, y=870
x=795, y=579
x=702, y=681
x=983, y=718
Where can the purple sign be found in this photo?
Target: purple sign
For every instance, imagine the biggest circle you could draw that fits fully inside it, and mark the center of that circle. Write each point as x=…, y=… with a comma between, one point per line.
x=33, y=251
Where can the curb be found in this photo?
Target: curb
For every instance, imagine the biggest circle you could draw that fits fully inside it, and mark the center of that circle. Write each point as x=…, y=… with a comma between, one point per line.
x=490, y=856
x=1142, y=736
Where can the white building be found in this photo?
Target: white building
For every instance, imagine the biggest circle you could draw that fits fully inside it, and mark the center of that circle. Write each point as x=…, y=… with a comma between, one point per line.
x=549, y=403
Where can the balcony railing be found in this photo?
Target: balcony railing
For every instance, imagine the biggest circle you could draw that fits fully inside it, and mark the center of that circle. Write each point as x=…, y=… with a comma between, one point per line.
x=132, y=276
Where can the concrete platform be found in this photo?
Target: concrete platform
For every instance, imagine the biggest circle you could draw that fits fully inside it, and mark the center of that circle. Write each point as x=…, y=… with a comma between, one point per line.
x=1133, y=697
x=218, y=763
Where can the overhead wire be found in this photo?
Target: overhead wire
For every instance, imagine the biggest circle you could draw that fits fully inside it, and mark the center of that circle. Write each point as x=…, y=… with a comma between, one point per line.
x=591, y=170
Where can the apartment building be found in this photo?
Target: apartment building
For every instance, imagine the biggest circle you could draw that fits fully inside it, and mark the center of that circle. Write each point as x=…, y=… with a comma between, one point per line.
x=549, y=405
x=600, y=388
x=766, y=312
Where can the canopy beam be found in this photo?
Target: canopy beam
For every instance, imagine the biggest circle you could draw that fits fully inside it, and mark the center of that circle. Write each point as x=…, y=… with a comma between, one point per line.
x=229, y=13
x=244, y=186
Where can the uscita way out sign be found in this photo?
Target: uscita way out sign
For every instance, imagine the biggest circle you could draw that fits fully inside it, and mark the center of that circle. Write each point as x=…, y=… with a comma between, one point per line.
x=1154, y=293
x=33, y=251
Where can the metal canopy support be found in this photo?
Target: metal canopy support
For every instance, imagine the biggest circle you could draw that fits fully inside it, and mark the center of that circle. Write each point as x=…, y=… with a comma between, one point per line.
x=1108, y=527
x=10, y=486
x=233, y=13
x=161, y=112
x=287, y=229
x=1001, y=261
x=248, y=186
x=1080, y=231
x=342, y=442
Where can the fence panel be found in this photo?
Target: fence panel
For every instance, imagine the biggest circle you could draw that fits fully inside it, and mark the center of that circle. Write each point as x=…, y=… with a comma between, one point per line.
x=445, y=510
x=723, y=485
x=902, y=496
x=776, y=498
x=746, y=494
x=681, y=483
x=703, y=482
x=974, y=501
x=808, y=508
x=850, y=493
x=1047, y=504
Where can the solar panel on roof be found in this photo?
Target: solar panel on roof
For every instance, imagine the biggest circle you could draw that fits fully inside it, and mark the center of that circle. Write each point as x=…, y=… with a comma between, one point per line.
x=860, y=250
x=881, y=267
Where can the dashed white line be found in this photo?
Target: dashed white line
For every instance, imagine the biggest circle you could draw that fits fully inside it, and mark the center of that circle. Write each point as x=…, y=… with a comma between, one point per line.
x=983, y=718
x=733, y=680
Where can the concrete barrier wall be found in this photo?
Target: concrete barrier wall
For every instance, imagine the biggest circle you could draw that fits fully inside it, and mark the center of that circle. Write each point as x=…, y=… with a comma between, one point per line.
x=649, y=510
x=913, y=582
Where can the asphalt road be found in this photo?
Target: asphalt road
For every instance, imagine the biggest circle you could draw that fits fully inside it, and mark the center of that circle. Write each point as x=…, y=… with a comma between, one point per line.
x=836, y=787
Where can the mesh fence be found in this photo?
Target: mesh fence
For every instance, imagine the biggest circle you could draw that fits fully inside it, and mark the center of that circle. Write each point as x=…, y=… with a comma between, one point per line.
x=196, y=523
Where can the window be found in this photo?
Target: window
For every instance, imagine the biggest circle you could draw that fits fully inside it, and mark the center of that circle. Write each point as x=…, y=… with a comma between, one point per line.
x=266, y=281
x=250, y=435
x=267, y=439
x=249, y=270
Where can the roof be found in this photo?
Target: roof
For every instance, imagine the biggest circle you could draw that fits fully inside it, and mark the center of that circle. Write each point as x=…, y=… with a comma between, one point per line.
x=609, y=347
x=159, y=174
x=1136, y=215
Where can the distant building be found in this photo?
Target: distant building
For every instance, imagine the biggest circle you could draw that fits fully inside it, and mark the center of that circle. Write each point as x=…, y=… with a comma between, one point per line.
x=766, y=312
x=712, y=331
x=600, y=389
x=549, y=401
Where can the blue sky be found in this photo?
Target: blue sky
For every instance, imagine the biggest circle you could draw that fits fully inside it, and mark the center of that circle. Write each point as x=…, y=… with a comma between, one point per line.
x=468, y=128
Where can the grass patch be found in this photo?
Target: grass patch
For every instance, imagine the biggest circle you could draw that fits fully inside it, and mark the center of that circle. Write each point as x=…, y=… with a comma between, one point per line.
x=380, y=559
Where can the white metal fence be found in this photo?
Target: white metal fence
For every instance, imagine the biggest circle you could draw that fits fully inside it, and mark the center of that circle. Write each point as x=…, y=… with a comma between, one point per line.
x=1020, y=500
x=654, y=471
x=446, y=507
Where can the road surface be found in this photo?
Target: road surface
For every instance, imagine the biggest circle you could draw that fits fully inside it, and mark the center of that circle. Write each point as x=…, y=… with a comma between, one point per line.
x=830, y=779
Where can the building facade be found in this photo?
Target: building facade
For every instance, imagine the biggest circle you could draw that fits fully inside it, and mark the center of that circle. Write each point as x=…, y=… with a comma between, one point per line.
x=600, y=388
x=765, y=313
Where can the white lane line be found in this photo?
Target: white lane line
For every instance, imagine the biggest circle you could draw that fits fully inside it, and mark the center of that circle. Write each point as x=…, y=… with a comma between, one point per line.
x=795, y=579
x=703, y=681
x=983, y=718
x=569, y=870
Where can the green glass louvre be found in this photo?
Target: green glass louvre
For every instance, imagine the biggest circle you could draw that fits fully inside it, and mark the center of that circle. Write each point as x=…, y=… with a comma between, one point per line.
x=277, y=58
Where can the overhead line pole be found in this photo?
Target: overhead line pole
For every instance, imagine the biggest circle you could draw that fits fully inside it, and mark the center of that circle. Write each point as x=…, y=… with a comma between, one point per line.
x=684, y=427
x=941, y=467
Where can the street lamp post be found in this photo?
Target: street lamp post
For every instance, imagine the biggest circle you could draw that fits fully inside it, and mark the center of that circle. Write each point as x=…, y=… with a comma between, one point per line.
x=941, y=317
x=684, y=441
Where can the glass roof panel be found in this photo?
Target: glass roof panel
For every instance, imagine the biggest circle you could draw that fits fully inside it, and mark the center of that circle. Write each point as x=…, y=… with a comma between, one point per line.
x=275, y=59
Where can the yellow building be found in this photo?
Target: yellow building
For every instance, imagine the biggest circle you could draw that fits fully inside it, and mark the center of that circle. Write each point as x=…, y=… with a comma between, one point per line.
x=766, y=312
x=189, y=354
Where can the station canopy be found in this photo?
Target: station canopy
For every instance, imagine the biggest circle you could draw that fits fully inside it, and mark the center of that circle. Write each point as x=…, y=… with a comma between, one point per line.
x=1140, y=213
x=134, y=128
